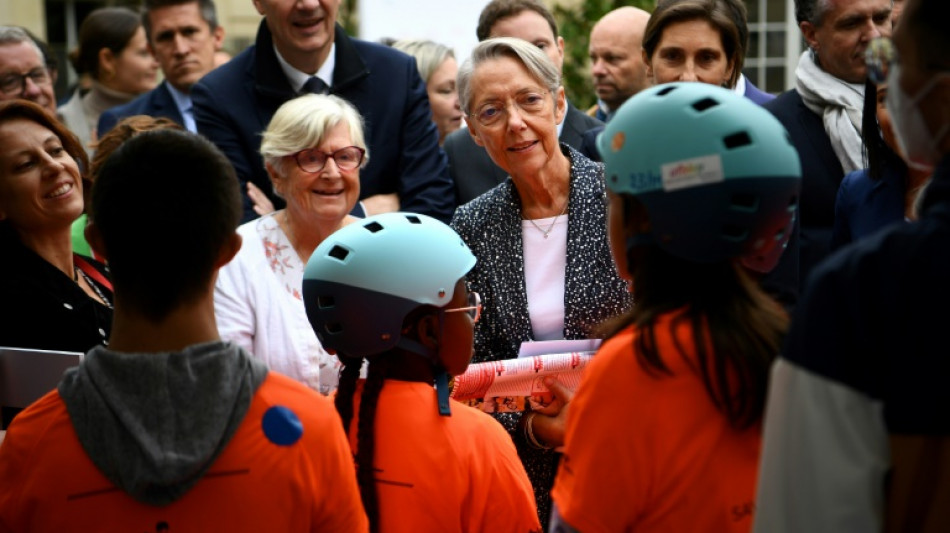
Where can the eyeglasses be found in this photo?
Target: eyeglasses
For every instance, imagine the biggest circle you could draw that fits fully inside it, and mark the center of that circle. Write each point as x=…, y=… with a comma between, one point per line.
x=879, y=56
x=491, y=113
x=314, y=160
x=474, y=308
x=16, y=83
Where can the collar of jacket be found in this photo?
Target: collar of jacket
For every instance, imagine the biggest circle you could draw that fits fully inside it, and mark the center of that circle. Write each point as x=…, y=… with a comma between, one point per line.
x=271, y=81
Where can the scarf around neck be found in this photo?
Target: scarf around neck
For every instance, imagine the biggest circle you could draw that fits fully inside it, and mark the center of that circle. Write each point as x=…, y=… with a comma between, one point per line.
x=839, y=104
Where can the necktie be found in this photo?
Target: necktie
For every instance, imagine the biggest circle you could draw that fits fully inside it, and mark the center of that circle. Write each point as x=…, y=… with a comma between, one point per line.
x=314, y=85
x=188, y=115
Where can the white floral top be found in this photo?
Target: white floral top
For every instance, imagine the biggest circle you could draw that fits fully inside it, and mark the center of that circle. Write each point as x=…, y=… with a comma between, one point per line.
x=258, y=305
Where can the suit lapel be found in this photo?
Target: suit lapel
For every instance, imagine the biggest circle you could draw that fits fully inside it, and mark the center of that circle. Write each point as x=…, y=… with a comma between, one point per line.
x=572, y=132
x=163, y=104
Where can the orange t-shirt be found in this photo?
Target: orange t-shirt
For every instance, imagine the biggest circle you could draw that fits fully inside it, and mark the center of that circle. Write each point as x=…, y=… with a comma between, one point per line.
x=48, y=483
x=651, y=452
x=444, y=473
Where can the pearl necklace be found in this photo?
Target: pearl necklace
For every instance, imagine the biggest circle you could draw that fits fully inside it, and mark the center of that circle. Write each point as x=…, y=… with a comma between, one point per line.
x=546, y=232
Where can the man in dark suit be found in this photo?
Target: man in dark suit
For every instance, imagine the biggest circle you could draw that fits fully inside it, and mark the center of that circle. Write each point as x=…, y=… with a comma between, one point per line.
x=823, y=113
x=183, y=35
x=472, y=170
x=300, y=48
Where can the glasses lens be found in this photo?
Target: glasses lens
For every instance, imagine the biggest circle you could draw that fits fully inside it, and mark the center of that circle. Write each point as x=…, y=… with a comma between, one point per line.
x=531, y=103
x=879, y=56
x=39, y=76
x=311, y=160
x=475, y=302
x=348, y=158
x=489, y=114
x=10, y=84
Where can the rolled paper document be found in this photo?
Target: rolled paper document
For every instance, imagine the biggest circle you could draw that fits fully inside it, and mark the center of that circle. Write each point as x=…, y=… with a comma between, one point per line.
x=511, y=384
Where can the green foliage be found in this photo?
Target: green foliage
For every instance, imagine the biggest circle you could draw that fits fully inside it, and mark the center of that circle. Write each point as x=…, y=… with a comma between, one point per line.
x=574, y=23
x=347, y=16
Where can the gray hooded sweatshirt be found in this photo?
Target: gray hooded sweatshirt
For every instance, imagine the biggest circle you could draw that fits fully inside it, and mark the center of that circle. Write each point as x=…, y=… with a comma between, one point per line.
x=153, y=423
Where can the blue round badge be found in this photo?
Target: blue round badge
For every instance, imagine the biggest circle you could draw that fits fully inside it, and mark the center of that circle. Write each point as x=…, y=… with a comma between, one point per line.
x=282, y=426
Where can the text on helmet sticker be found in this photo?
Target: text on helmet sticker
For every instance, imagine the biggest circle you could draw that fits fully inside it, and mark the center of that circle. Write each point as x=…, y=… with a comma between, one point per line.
x=692, y=172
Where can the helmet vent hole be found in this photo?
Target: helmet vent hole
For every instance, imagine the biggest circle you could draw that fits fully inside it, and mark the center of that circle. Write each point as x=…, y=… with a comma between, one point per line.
x=737, y=140
x=745, y=202
x=326, y=302
x=734, y=233
x=666, y=91
x=704, y=104
x=339, y=252
x=333, y=328
x=374, y=227
x=413, y=219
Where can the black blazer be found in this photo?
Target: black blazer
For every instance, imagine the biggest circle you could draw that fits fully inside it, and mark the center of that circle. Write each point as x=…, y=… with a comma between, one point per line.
x=473, y=171
x=821, y=175
x=156, y=103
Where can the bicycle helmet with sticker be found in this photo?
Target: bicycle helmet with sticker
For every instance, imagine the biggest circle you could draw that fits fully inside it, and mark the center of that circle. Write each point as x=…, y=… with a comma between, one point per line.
x=716, y=172
x=363, y=280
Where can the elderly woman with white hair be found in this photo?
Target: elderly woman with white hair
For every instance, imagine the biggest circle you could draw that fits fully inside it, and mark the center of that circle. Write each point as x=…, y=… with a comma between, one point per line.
x=313, y=149
x=437, y=66
x=544, y=267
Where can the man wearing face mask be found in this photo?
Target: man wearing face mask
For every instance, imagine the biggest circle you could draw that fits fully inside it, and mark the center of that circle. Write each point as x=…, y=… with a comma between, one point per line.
x=856, y=427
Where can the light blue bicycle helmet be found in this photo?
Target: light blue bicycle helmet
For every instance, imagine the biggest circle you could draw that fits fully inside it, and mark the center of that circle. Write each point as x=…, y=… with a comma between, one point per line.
x=716, y=172
x=363, y=280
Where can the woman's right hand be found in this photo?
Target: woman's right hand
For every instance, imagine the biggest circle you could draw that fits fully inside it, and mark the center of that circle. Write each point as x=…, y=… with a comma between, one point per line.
x=381, y=203
x=262, y=204
x=549, y=423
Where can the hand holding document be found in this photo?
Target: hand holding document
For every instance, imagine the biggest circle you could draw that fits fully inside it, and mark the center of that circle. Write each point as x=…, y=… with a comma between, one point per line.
x=510, y=385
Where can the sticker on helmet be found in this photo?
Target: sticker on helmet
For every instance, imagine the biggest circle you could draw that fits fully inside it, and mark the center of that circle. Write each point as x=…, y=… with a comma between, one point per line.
x=692, y=172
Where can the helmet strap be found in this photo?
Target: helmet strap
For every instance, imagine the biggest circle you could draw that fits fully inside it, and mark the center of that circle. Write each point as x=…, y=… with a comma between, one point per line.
x=442, y=391
x=441, y=376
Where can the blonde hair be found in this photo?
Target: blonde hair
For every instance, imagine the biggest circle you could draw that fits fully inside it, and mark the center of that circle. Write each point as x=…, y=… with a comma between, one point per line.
x=303, y=122
x=429, y=55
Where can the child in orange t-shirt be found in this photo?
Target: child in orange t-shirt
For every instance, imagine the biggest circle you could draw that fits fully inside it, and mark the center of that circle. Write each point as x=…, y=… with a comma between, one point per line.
x=664, y=431
x=169, y=427
x=391, y=289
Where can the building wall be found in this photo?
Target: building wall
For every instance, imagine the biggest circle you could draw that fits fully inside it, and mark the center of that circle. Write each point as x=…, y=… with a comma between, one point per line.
x=29, y=14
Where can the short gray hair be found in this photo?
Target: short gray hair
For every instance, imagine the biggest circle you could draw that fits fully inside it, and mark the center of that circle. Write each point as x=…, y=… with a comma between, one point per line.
x=429, y=55
x=16, y=35
x=303, y=122
x=529, y=55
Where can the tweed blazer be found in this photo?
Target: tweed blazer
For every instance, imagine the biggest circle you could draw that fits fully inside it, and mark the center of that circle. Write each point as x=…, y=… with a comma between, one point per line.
x=491, y=226
x=593, y=292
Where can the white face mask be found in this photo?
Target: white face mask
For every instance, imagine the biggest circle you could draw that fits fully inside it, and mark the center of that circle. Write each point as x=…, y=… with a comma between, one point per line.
x=913, y=136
